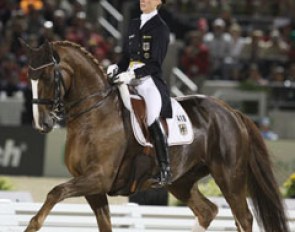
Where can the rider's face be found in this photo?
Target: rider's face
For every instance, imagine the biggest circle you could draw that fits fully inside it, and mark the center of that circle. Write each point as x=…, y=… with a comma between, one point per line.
x=147, y=6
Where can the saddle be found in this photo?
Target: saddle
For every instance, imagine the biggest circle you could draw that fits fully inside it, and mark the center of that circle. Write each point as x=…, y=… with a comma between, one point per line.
x=178, y=129
x=139, y=111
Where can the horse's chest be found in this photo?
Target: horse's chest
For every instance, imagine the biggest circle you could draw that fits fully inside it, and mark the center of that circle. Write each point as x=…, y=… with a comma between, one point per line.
x=75, y=159
x=73, y=164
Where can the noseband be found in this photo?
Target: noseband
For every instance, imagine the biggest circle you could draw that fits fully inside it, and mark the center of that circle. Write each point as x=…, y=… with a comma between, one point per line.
x=57, y=104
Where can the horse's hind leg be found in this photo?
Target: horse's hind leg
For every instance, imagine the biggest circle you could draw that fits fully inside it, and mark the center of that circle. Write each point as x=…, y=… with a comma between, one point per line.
x=233, y=188
x=100, y=207
x=240, y=210
x=204, y=210
x=78, y=186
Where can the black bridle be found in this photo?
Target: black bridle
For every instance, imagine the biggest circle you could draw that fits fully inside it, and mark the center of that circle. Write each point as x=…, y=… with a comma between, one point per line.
x=58, y=106
x=58, y=110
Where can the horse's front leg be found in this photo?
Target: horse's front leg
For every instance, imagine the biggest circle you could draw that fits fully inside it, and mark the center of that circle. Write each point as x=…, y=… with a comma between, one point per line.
x=78, y=186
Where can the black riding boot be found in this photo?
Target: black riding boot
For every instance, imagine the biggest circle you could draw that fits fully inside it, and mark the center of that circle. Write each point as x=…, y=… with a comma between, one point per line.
x=160, y=143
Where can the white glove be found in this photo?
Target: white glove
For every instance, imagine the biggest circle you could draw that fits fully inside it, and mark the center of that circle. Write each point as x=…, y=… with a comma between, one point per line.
x=112, y=71
x=124, y=78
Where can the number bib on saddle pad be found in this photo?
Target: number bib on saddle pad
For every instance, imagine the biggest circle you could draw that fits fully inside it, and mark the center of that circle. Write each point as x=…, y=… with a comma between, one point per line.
x=179, y=127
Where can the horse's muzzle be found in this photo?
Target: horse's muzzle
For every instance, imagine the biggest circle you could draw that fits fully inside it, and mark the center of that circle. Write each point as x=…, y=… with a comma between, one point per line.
x=46, y=125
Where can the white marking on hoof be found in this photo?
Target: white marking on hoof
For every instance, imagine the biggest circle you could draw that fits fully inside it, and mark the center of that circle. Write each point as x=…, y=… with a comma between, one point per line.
x=197, y=227
x=239, y=225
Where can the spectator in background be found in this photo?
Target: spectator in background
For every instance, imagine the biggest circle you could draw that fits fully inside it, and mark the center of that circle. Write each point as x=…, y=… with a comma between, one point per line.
x=27, y=5
x=16, y=27
x=291, y=52
x=218, y=42
x=284, y=26
x=48, y=10
x=72, y=7
x=255, y=77
x=203, y=6
x=23, y=70
x=226, y=15
x=202, y=26
x=195, y=58
x=96, y=43
x=266, y=132
x=35, y=19
x=276, y=50
x=236, y=46
x=47, y=33
x=59, y=23
x=253, y=50
x=93, y=9
x=186, y=6
x=277, y=75
x=25, y=86
x=76, y=31
x=291, y=73
x=9, y=75
x=254, y=47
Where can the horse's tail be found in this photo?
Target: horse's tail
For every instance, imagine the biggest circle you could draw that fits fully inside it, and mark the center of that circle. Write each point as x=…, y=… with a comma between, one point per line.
x=262, y=185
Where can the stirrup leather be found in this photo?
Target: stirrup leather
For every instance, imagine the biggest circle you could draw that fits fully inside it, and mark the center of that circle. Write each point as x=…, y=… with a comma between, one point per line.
x=165, y=176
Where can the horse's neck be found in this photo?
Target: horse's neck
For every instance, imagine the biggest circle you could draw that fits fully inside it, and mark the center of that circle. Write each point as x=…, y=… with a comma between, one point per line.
x=86, y=79
x=87, y=83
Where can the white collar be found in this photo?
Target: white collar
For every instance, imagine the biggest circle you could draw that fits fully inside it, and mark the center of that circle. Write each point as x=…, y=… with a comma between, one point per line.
x=146, y=17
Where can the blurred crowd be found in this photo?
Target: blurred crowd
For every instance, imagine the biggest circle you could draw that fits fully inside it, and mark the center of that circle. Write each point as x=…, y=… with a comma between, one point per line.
x=36, y=21
x=241, y=7
x=228, y=52
x=219, y=44
x=240, y=40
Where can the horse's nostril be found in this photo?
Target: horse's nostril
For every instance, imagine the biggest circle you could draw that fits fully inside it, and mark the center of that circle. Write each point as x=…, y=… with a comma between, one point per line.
x=46, y=127
x=46, y=124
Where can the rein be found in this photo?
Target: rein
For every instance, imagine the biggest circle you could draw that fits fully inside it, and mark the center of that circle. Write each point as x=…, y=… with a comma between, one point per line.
x=103, y=96
x=41, y=67
x=59, y=112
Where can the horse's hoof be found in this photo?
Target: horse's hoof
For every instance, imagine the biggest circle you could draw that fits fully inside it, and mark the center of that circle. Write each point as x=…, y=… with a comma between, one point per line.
x=29, y=230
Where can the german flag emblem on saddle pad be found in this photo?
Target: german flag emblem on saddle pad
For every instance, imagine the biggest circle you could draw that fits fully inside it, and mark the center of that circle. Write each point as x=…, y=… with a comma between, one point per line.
x=179, y=127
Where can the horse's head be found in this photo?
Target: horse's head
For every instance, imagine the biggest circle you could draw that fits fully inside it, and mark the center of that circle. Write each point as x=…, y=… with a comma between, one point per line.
x=47, y=86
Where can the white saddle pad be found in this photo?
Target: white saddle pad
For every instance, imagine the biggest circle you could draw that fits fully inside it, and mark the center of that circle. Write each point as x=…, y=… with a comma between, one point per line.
x=179, y=126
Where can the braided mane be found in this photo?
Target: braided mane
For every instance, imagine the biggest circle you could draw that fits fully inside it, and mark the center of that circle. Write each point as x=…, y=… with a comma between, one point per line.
x=82, y=50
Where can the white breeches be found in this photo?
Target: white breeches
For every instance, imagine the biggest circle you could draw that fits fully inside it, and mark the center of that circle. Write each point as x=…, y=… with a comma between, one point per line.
x=150, y=93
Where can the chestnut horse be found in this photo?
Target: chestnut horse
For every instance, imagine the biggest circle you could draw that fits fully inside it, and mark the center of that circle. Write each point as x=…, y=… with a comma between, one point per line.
x=104, y=158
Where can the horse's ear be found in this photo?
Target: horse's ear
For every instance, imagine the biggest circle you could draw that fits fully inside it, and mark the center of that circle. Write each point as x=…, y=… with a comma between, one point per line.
x=48, y=48
x=27, y=47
